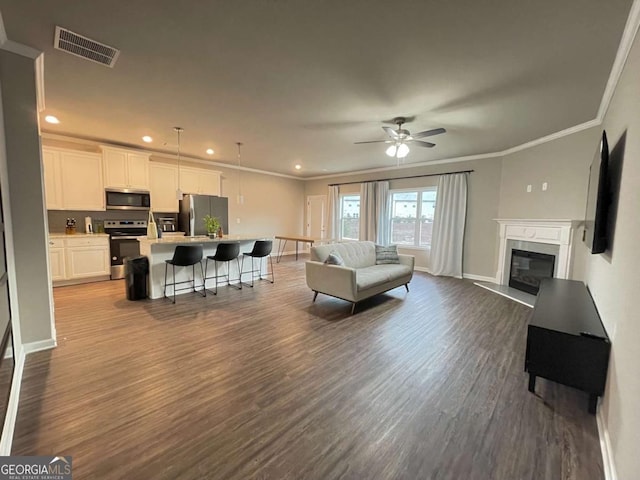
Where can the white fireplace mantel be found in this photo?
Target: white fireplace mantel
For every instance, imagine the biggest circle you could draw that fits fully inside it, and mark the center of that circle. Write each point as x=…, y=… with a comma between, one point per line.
x=548, y=231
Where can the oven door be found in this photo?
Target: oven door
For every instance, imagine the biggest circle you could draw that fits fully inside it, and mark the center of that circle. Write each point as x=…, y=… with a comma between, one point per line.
x=121, y=247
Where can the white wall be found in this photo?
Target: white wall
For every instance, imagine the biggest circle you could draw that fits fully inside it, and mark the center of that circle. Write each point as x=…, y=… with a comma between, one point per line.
x=563, y=164
x=24, y=170
x=614, y=279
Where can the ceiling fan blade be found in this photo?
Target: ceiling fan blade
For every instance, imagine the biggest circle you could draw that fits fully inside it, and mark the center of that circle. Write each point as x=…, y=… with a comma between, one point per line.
x=429, y=133
x=391, y=132
x=420, y=143
x=375, y=141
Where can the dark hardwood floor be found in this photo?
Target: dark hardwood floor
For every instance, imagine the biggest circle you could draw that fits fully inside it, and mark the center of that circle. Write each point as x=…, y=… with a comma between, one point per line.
x=263, y=384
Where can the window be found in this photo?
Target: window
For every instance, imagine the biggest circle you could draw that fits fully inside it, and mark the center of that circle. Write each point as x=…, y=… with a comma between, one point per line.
x=350, y=217
x=412, y=216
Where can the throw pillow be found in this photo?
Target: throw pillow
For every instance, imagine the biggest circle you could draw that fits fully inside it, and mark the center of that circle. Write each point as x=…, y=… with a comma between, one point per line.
x=386, y=255
x=334, y=258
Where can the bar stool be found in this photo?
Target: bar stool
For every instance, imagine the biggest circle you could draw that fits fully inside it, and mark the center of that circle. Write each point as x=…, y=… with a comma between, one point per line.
x=184, y=256
x=261, y=249
x=225, y=252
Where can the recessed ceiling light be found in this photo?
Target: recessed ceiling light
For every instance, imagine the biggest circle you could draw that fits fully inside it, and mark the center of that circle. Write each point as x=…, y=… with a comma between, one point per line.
x=51, y=119
x=147, y=139
x=298, y=166
x=210, y=151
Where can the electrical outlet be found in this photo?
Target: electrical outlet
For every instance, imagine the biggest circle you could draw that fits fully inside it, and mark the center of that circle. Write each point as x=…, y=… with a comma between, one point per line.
x=545, y=185
x=238, y=220
x=528, y=188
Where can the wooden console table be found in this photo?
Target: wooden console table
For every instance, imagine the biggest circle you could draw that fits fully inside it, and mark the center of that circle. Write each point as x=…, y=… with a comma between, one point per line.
x=282, y=242
x=566, y=341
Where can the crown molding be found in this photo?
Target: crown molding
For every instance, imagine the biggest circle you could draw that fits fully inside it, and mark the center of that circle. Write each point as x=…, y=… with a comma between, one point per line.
x=626, y=42
x=549, y=138
x=466, y=158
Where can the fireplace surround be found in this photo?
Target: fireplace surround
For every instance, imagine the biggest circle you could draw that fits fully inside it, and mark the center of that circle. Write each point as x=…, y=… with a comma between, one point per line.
x=553, y=237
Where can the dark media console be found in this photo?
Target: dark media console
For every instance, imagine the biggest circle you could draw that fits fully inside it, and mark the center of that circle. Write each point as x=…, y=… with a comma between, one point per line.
x=566, y=341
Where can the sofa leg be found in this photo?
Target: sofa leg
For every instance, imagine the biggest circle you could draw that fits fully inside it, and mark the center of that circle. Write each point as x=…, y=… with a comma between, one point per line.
x=353, y=307
x=315, y=294
x=406, y=285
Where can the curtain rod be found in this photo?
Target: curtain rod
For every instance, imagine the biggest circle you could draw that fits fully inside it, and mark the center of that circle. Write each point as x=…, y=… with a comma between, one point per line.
x=401, y=178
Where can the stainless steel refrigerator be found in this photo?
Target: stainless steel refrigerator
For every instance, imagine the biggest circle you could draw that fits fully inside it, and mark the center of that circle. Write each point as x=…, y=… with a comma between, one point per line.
x=193, y=209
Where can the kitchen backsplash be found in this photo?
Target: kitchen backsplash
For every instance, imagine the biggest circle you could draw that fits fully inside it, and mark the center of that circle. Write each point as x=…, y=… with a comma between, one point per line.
x=58, y=218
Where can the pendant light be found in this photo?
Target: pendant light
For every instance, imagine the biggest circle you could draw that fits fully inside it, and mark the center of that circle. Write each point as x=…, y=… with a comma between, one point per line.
x=178, y=130
x=240, y=197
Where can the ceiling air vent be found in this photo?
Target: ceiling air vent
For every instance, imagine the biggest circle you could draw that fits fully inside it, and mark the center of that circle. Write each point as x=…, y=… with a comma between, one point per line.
x=84, y=47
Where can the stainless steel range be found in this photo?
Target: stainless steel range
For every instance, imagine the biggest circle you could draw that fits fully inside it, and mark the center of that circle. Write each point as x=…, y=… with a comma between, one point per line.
x=123, y=242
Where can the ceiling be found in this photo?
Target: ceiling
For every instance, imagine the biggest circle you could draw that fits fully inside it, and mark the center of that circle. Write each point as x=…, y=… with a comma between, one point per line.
x=300, y=81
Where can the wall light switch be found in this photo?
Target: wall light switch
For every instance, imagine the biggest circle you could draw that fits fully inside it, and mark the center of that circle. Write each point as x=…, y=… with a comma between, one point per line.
x=528, y=188
x=544, y=186
x=238, y=220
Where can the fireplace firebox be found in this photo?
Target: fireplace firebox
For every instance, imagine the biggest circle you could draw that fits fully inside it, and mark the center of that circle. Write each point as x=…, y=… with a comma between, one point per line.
x=529, y=268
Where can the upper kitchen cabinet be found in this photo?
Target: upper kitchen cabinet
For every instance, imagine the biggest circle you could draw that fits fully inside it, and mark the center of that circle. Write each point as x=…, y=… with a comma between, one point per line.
x=73, y=179
x=163, y=185
x=125, y=169
x=199, y=181
x=52, y=179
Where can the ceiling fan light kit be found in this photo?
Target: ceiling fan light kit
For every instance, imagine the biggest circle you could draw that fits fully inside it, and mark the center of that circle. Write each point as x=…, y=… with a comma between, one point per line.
x=401, y=137
x=403, y=150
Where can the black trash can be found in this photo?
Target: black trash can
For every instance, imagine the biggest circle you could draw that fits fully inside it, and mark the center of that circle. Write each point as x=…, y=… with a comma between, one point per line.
x=135, y=274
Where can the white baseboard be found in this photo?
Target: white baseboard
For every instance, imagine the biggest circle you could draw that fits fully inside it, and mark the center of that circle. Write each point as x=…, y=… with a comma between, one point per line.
x=39, y=346
x=479, y=278
x=605, y=446
x=291, y=252
x=12, y=407
x=422, y=269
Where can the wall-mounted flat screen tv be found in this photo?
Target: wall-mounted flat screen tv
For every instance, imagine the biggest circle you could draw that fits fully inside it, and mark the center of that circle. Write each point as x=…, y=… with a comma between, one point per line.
x=598, y=196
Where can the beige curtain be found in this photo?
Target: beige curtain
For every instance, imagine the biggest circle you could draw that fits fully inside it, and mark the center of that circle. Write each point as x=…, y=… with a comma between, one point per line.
x=448, y=225
x=374, y=212
x=333, y=208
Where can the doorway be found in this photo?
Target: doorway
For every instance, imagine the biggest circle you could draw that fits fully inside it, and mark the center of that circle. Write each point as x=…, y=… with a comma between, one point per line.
x=316, y=216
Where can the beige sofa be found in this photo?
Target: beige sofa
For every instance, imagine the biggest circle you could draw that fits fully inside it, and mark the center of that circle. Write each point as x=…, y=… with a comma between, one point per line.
x=360, y=277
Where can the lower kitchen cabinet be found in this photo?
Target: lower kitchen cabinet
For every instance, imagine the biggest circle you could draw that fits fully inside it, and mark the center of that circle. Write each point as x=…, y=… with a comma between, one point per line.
x=79, y=259
x=57, y=260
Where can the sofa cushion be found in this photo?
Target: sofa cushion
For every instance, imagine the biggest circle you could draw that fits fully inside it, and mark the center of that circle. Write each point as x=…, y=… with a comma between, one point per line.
x=375, y=275
x=387, y=255
x=334, y=258
x=354, y=254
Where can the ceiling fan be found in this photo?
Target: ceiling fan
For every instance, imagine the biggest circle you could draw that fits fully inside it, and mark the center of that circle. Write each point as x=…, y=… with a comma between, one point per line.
x=401, y=137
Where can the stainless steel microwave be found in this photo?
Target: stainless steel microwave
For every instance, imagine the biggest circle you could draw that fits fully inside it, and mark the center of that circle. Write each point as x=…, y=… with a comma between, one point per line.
x=127, y=199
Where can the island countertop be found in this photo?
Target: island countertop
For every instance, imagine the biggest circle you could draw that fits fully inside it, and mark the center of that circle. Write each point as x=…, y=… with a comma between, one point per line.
x=178, y=239
x=159, y=250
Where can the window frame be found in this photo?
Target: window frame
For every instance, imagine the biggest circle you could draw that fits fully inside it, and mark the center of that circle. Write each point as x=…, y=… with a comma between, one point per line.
x=417, y=228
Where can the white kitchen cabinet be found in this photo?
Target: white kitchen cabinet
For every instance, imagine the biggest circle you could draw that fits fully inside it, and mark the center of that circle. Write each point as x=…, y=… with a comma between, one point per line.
x=52, y=179
x=200, y=181
x=163, y=185
x=125, y=169
x=81, y=180
x=189, y=180
x=72, y=179
x=57, y=260
x=74, y=259
x=209, y=183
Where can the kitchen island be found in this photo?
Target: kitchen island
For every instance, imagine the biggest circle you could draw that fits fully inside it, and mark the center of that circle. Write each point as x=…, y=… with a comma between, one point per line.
x=161, y=249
